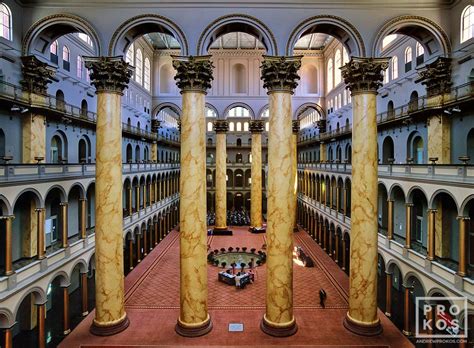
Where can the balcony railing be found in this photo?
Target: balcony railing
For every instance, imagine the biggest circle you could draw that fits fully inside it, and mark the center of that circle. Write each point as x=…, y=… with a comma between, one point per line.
x=456, y=94
x=23, y=172
x=441, y=172
x=49, y=102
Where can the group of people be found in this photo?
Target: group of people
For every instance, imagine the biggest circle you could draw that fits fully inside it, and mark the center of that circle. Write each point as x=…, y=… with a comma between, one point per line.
x=234, y=218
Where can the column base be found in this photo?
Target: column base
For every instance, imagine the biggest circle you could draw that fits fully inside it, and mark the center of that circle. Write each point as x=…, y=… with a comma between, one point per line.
x=406, y=333
x=388, y=315
x=201, y=329
x=84, y=314
x=278, y=331
x=257, y=229
x=66, y=332
x=109, y=330
x=361, y=329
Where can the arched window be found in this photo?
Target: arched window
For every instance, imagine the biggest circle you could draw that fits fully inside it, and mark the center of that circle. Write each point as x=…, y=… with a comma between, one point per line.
x=209, y=126
x=246, y=126
x=239, y=111
x=345, y=56
x=53, y=50
x=239, y=127
x=66, y=58
x=337, y=71
x=79, y=67
x=231, y=126
x=60, y=103
x=408, y=58
x=130, y=53
x=139, y=67
x=267, y=126
x=330, y=75
x=266, y=113
x=420, y=52
x=84, y=108
x=390, y=110
x=467, y=23
x=210, y=112
x=147, y=76
x=5, y=22
x=394, y=68
x=239, y=78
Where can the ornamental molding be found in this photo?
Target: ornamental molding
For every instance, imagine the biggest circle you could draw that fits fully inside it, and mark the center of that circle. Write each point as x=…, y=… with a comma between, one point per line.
x=109, y=74
x=364, y=75
x=256, y=126
x=280, y=73
x=221, y=126
x=193, y=73
x=36, y=75
x=436, y=76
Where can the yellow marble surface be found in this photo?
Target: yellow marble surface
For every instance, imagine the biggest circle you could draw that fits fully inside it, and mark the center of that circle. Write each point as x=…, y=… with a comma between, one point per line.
x=221, y=183
x=154, y=152
x=439, y=138
x=193, y=225
x=322, y=152
x=363, y=255
x=281, y=210
x=109, y=288
x=294, y=167
x=33, y=137
x=256, y=219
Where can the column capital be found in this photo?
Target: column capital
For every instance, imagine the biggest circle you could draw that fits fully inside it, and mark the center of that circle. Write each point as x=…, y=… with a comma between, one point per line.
x=409, y=204
x=432, y=210
x=280, y=73
x=295, y=125
x=390, y=200
x=109, y=74
x=221, y=126
x=436, y=76
x=364, y=75
x=82, y=199
x=63, y=204
x=256, y=126
x=7, y=217
x=463, y=218
x=39, y=210
x=193, y=73
x=155, y=125
x=36, y=75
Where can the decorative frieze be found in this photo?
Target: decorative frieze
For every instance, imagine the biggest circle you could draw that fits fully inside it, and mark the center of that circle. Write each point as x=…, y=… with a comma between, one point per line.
x=221, y=126
x=109, y=74
x=193, y=73
x=256, y=126
x=364, y=75
x=436, y=76
x=36, y=75
x=280, y=73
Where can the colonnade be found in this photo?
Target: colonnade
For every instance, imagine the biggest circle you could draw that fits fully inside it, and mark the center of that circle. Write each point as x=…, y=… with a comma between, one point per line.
x=110, y=75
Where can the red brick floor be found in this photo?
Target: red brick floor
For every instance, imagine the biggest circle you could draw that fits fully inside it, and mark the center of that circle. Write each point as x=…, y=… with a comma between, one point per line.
x=152, y=304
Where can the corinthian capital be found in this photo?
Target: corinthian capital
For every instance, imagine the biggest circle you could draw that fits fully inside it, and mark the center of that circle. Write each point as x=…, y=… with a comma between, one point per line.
x=109, y=74
x=280, y=74
x=436, y=76
x=221, y=126
x=36, y=75
x=193, y=73
x=256, y=126
x=295, y=126
x=364, y=75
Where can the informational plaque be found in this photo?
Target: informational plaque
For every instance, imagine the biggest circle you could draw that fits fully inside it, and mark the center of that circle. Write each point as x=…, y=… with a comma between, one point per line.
x=236, y=327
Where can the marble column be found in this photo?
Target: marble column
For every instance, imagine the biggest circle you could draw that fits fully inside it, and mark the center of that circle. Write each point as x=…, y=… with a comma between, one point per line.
x=83, y=217
x=431, y=234
x=40, y=238
x=66, y=328
x=344, y=253
x=156, y=232
x=8, y=244
x=463, y=242
x=130, y=255
x=109, y=75
x=256, y=217
x=221, y=127
x=193, y=75
x=436, y=76
x=36, y=75
x=154, y=151
x=280, y=79
x=388, y=294
x=145, y=242
x=363, y=76
x=41, y=312
x=8, y=338
x=407, y=310
x=64, y=224
x=295, y=126
x=84, y=294
x=390, y=219
x=139, y=247
x=409, y=222
x=336, y=251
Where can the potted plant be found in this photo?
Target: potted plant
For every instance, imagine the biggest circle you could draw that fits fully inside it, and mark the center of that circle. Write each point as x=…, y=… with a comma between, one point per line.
x=222, y=250
x=237, y=249
x=253, y=250
x=242, y=265
x=233, y=265
x=244, y=249
x=230, y=249
x=223, y=264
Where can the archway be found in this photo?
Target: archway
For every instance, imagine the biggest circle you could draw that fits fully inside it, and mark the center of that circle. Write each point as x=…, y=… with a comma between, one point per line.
x=388, y=153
